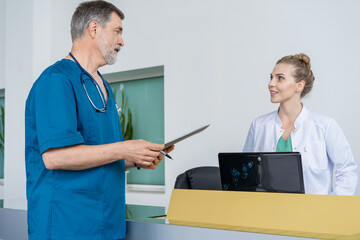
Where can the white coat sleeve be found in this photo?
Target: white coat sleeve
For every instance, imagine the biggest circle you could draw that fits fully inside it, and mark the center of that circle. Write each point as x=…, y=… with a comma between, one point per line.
x=339, y=152
x=250, y=144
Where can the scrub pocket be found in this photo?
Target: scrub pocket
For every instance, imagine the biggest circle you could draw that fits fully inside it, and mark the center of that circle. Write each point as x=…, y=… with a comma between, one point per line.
x=76, y=215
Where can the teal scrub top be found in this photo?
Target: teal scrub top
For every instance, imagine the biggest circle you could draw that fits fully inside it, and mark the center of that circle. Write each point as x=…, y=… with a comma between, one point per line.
x=68, y=205
x=283, y=146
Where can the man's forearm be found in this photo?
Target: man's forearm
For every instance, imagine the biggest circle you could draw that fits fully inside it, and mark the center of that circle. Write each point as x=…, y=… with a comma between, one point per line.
x=81, y=156
x=145, y=154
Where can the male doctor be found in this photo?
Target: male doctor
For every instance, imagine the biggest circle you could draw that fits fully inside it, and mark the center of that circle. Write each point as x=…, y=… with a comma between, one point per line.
x=75, y=156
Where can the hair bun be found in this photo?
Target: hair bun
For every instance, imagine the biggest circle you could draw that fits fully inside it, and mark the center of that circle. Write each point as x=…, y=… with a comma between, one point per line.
x=302, y=71
x=303, y=57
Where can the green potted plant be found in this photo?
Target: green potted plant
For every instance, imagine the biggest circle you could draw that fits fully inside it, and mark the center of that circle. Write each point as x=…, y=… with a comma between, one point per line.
x=125, y=117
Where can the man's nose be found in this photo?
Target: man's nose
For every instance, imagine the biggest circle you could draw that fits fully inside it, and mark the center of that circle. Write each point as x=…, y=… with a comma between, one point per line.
x=121, y=41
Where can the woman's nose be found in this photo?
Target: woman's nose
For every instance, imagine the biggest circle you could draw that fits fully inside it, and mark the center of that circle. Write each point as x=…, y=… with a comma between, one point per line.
x=271, y=83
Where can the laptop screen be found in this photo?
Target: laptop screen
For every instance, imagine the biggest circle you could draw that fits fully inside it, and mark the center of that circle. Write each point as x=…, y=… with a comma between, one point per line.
x=262, y=171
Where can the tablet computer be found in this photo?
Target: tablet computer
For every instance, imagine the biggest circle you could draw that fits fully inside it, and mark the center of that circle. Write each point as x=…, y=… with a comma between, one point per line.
x=262, y=171
x=170, y=143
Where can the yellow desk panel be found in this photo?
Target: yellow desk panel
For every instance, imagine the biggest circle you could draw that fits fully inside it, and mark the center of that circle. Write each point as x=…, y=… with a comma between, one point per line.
x=303, y=215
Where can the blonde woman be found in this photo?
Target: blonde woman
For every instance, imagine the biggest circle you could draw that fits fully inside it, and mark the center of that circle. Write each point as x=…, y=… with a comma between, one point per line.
x=328, y=163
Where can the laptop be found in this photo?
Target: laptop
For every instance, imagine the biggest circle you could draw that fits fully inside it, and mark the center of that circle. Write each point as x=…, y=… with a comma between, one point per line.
x=262, y=172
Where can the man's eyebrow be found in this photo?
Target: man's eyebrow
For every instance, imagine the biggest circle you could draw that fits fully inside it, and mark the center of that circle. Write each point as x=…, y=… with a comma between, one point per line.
x=119, y=28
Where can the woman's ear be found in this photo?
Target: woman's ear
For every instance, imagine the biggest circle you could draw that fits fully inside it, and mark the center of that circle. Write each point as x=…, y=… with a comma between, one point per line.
x=300, y=86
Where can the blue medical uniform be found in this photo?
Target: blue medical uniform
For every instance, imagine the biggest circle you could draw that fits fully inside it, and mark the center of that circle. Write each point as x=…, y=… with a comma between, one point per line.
x=68, y=205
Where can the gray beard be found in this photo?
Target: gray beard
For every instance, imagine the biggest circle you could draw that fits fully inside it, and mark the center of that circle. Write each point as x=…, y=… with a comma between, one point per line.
x=107, y=51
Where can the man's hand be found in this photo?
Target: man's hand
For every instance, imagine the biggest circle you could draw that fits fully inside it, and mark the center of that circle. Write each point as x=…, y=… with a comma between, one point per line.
x=154, y=151
x=143, y=153
x=160, y=157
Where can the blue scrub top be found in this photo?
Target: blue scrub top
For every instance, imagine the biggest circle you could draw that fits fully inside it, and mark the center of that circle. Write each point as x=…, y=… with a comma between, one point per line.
x=87, y=204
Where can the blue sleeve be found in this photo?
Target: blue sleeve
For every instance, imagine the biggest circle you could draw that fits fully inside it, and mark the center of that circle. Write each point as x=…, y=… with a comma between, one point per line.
x=55, y=112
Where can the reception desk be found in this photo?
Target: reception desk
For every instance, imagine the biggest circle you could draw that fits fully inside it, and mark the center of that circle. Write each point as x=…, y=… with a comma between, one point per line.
x=301, y=215
x=143, y=223
x=197, y=214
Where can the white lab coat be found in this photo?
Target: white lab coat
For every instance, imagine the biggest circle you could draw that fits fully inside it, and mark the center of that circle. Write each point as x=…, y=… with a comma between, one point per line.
x=323, y=147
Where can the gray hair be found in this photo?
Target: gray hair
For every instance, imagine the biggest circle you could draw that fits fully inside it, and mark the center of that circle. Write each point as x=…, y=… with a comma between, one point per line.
x=99, y=11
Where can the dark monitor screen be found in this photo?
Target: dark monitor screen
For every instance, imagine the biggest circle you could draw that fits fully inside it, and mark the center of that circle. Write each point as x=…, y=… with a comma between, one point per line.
x=262, y=171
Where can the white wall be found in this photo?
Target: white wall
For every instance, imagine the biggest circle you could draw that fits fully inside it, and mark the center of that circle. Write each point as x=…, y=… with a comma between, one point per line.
x=2, y=64
x=2, y=43
x=217, y=56
x=18, y=72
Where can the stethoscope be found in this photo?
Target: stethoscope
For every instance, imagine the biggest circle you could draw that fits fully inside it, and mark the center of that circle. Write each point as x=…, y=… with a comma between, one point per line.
x=84, y=72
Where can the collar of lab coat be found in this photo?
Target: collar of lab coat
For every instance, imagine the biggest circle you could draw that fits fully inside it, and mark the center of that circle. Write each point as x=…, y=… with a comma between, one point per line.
x=299, y=120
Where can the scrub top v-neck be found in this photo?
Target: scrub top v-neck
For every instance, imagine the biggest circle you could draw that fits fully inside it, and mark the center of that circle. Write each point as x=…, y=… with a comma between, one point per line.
x=284, y=146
